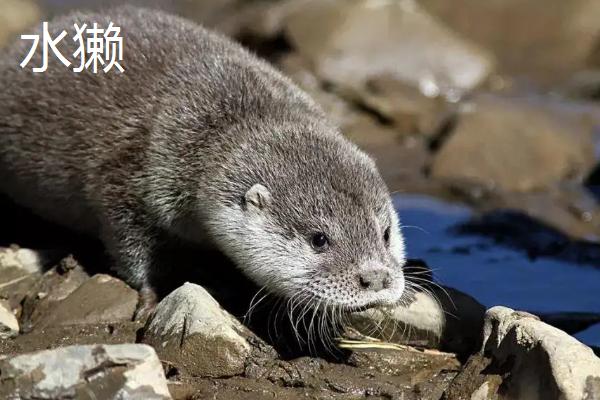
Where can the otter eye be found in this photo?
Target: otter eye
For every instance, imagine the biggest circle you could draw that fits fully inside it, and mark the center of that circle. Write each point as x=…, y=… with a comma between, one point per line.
x=386, y=235
x=319, y=241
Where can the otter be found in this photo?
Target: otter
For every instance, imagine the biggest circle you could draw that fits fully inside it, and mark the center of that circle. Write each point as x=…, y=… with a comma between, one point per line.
x=201, y=139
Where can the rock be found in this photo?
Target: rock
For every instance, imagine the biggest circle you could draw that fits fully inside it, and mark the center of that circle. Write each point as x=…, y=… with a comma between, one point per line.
x=129, y=371
x=54, y=286
x=349, y=43
x=439, y=317
x=402, y=105
x=211, y=13
x=9, y=326
x=16, y=15
x=473, y=383
x=20, y=269
x=338, y=110
x=515, y=144
x=27, y=260
x=539, y=41
x=257, y=22
x=100, y=299
x=573, y=212
x=190, y=330
x=400, y=159
x=540, y=361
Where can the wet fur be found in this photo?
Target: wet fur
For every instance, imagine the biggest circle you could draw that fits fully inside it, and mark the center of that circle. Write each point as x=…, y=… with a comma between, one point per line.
x=175, y=143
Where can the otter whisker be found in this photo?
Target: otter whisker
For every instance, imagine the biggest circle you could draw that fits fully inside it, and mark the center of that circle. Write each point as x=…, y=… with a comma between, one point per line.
x=417, y=227
x=253, y=304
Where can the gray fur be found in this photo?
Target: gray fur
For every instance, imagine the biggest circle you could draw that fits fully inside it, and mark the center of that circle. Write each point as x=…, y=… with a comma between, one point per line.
x=178, y=143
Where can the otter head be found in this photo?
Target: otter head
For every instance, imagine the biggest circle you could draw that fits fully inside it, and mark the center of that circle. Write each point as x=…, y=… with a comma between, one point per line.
x=316, y=223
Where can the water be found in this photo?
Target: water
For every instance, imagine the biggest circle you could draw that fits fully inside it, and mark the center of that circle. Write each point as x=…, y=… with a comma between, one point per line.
x=492, y=273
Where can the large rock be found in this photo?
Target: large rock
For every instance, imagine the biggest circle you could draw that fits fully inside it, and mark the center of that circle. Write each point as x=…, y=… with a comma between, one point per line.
x=528, y=37
x=129, y=371
x=440, y=317
x=515, y=144
x=190, y=330
x=350, y=42
x=539, y=361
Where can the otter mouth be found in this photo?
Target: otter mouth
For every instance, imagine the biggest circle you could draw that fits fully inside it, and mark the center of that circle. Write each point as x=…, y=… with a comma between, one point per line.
x=359, y=303
x=351, y=308
x=369, y=306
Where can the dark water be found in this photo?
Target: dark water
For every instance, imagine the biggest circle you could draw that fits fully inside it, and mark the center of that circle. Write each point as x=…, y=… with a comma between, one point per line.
x=493, y=273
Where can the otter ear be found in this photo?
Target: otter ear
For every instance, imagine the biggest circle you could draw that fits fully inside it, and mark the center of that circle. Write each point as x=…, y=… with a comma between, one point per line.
x=258, y=196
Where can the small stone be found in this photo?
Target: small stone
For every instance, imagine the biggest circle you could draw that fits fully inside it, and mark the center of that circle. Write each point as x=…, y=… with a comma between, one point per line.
x=9, y=326
x=28, y=260
x=20, y=270
x=190, y=330
x=128, y=371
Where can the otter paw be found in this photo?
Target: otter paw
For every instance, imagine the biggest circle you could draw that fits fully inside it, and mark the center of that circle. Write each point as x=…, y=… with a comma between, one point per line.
x=146, y=304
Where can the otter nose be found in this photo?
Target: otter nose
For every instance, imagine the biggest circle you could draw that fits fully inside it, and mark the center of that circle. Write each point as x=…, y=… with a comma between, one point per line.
x=374, y=279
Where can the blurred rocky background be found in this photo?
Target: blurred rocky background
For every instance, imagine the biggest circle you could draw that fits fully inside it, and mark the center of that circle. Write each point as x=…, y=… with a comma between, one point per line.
x=484, y=119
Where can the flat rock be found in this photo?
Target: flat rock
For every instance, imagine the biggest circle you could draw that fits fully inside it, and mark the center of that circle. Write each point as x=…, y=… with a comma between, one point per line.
x=190, y=330
x=540, y=361
x=440, y=317
x=349, y=43
x=55, y=285
x=9, y=326
x=129, y=371
x=100, y=299
x=515, y=144
x=69, y=335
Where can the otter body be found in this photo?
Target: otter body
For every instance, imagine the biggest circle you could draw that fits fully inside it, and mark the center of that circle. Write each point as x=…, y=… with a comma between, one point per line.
x=200, y=139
